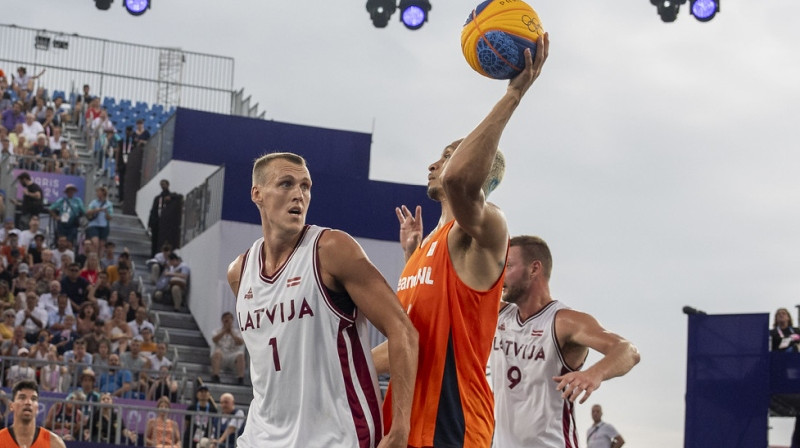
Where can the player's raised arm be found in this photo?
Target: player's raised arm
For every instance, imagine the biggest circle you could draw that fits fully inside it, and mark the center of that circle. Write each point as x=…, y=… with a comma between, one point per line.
x=345, y=264
x=469, y=166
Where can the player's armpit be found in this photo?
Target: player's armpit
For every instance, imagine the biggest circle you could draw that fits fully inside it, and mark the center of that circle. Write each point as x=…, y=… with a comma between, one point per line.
x=234, y=274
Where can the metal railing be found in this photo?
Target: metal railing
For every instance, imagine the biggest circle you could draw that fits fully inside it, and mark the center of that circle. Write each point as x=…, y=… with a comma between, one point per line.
x=121, y=70
x=203, y=206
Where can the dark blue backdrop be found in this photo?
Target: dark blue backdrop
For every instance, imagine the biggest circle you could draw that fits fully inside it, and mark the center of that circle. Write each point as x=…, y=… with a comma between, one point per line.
x=342, y=197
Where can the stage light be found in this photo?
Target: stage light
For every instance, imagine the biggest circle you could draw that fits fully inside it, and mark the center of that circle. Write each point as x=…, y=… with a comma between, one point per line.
x=380, y=11
x=103, y=5
x=704, y=10
x=414, y=13
x=668, y=9
x=136, y=7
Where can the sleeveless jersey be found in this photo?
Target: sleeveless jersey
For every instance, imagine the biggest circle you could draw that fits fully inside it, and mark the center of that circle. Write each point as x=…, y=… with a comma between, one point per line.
x=41, y=438
x=529, y=411
x=452, y=404
x=314, y=384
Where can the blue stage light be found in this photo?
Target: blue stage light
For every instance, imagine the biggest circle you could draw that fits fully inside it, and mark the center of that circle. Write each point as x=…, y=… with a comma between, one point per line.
x=136, y=7
x=704, y=10
x=414, y=13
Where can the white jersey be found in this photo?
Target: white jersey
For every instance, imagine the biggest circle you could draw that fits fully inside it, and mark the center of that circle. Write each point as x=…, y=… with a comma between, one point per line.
x=528, y=410
x=314, y=384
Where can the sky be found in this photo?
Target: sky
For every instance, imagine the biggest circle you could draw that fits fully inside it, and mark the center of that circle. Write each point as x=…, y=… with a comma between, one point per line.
x=659, y=161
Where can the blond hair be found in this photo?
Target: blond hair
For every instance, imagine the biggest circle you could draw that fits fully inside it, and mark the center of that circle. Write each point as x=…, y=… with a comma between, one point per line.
x=261, y=163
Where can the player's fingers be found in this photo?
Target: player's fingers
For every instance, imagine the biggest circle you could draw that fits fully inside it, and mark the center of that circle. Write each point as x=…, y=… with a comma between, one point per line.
x=399, y=214
x=562, y=383
x=586, y=394
x=418, y=214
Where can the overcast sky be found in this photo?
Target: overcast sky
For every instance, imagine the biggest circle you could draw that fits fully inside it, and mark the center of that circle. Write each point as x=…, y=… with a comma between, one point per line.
x=660, y=161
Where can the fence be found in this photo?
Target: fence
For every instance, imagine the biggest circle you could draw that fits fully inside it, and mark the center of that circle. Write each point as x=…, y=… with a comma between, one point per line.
x=203, y=206
x=168, y=76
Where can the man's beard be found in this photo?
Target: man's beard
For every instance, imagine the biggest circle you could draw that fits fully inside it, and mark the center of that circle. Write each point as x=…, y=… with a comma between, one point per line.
x=435, y=193
x=513, y=294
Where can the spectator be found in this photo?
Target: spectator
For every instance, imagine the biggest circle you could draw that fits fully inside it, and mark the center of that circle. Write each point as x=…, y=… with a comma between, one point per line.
x=785, y=337
x=56, y=319
x=48, y=259
x=111, y=142
x=201, y=425
x=5, y=231
x=38, y=110
x=14, y=116
x=231, y=424
x=68, y=211
x=26, y=237
x=32, y=318
x=228, y=350
x=160, y=202
x=91, y=270
x=49, y=300
x=61, y=109
x=87, y=248
x=20, y=371
x=173, y=281
x=163, y=386
x=105, y=423
x=100, y=294
x=108, y=258
x=50, y=123
x=118, y=331
x=158, y=263
x=23, y=83
x=20, y=283
x=79, y=355
x=36, y=248
x=125, y=285
x=7, y=151
x=141, y=321
x=31, y=128
x=134, y=360
x=99, y=214
x=13, y=346
x=87, y=380
x=87, y=317
x=159, y=358
x=162, y=431
x=126, y=146
x=7, y=325
x=41, y=348
x=50, y=375
x=92, y=112
x=124, y=258
x=81, y=104
x=32, y=199
x=12, y=243
x=55, y=141
x=65, y=339
x=149, y=346
x=6, y=297
x=96, y=336
x=101, y=359
x=75, y=286
x=116, y=381
x=63, y=247
x=66, y=418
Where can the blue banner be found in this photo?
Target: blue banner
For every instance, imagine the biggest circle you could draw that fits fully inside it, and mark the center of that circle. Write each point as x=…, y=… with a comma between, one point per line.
x=52, y=184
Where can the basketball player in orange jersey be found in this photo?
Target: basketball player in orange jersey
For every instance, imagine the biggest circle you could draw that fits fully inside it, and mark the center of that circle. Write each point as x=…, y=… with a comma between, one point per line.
x=453, y=279
x=24, y=433
x=303, y=297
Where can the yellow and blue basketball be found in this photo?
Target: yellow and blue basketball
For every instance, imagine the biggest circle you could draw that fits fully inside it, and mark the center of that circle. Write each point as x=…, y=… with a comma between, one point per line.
x=496, y=35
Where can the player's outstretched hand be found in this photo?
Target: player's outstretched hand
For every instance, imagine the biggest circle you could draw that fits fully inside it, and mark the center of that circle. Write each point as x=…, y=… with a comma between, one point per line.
x=533, y=66
x=573, y=384
x=410, y=228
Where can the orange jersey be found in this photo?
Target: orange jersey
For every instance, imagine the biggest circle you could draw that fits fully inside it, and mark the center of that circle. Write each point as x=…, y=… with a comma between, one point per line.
x=453, y=404
x=41, y=438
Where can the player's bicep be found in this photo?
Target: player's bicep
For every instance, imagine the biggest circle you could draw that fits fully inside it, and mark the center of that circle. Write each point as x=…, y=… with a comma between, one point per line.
x=484, y=222
x=585, y=330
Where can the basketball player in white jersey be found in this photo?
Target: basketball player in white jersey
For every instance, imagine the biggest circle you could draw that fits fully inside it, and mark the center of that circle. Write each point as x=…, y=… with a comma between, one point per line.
x=539, y=349
x=302, y=296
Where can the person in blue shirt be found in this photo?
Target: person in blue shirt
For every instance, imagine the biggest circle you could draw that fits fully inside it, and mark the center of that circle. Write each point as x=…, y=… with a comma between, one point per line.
x=67, y=211
x=99, y=214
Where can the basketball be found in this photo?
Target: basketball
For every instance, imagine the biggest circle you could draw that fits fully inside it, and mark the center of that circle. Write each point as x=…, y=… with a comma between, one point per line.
x=495, y=37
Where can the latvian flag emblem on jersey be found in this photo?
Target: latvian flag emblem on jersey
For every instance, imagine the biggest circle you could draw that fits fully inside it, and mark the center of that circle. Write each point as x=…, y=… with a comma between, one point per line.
x=294, y=281
x=537, y=332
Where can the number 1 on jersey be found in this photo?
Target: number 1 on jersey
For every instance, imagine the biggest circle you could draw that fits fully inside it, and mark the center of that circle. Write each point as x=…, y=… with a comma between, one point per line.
x=274, y=343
